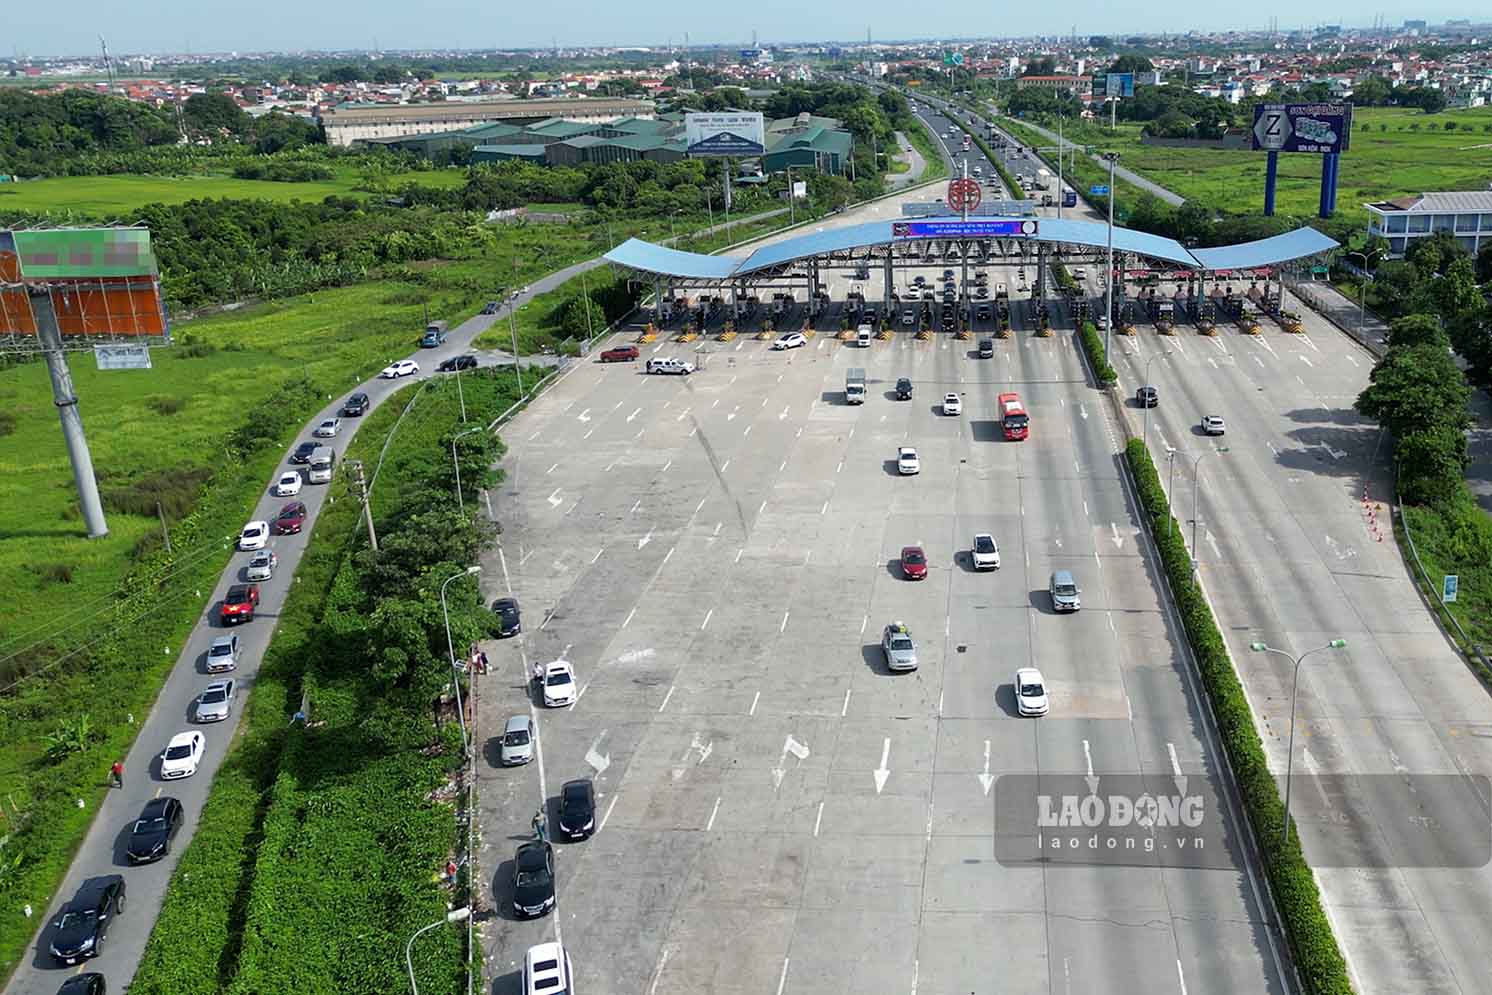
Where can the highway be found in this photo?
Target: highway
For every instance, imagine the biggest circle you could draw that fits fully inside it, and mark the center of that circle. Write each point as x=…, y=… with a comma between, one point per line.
x=716, y=556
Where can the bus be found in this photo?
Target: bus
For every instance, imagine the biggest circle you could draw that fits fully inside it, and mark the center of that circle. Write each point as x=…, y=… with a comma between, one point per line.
x=1013, y=417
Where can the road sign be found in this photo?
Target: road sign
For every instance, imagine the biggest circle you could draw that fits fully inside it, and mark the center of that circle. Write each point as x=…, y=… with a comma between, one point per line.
x=1099, y=190
x=1452, y=582
x=122, y=357
x=973, y=228
x=964, y=194
x=1321, y=128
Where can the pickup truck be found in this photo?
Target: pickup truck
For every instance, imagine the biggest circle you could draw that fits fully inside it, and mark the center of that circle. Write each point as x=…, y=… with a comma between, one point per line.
x=854, y=386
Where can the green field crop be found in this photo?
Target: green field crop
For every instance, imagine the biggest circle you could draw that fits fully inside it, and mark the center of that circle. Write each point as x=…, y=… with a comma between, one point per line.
x=112, y=196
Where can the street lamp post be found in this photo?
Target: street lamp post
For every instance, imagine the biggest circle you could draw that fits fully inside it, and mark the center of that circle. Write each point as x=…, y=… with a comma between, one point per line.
x=1108, y=330
x=1362, y=288
x=1335, y=644
x=1196, y=477
x=451, y=649
x=460, y=501
x=455, y=915
x=1147, y=405
x=513, y=328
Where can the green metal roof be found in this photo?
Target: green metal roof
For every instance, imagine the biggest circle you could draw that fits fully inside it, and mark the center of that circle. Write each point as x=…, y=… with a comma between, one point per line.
x=511, y=151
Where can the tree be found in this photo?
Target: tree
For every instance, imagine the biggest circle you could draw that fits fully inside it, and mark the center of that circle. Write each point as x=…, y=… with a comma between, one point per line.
x=1171, y=124
x=1484, y=263
x=1416, y=389
x=1432, y=465
x=1045, y=66
x=214, y=114
x=1416, y=329
x=1131, y=64
x=1371, y=92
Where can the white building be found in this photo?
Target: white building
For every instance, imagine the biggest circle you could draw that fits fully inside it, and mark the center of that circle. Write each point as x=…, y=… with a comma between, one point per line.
x=1465, y=214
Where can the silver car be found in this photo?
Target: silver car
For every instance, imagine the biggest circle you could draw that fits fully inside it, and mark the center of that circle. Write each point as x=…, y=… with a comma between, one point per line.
x=899, y=647
x=1064, y=592
x=216, y=703
x=222, y=655
x=262, y=565
x=518, y=741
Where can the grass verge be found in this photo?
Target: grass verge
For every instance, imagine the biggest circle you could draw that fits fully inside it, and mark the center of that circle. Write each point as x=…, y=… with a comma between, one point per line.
x=923, y=142
x=332, y=832
x=1319, y=961
x=1455, y=540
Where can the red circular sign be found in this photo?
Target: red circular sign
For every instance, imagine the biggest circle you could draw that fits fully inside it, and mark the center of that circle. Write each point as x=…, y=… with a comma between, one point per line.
x=964, y=194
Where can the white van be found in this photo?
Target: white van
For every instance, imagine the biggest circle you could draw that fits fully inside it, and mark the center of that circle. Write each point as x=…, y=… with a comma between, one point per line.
x=323, y=460
x=863, y=336
x=669, y=364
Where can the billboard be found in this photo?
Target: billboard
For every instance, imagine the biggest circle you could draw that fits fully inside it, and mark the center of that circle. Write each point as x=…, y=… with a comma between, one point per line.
x=736, y=133
x=102, y=282
x=1320, y=128
x=973, y=228
x=1114, y=84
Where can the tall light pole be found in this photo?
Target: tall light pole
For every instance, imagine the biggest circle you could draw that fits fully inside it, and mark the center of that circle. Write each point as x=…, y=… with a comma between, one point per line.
x=1362, y=288
x=460, y=501
x=455, y=915
x=1108, y=330
x=1147, y=405
x=1335, y=644
x=513, y=328
x=1059, y=171
x=451, y=649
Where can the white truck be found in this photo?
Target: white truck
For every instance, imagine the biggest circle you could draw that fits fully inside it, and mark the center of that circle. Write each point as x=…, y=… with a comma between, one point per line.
x=854, y=386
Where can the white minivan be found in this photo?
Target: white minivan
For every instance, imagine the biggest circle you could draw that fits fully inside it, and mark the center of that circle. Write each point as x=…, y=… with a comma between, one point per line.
x=863, y=336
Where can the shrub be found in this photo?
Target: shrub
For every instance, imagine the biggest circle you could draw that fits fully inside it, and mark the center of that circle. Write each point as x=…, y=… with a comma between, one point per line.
x=7, y=422
x=166, y=405
x=194, y=350
x=1316, y=954
x=54, y=573
x=1093, y=344
x=175, y=490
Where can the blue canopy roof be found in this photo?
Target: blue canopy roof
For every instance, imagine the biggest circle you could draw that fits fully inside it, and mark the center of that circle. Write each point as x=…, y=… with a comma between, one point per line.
x=650, y=258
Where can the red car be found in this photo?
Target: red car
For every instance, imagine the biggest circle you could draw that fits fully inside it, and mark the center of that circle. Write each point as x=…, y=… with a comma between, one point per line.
x=239, y=603
x=290, y=519
x=620, y=354
x=913, y=563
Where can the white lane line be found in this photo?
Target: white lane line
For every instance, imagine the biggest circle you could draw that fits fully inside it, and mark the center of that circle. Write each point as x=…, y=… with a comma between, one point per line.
x=507, y=581
x=598, y=554
x=864, y=621
x=724, y=465
x=818, y=819
x=702, y=501
x=666, y=697
x=629, y=616
x=764, y=402
x=531, y=438
x=607, y=815
x=782, y=981
x=666, y=466
x=682, y=415
x=550, y=470
x=636, y=504
x=825, y=509
x=783, y=627
x=658, y=971
x=1305, y=360
x=718, y=527
x=1349, y=359
x=807, y=556
x=738, y=554
x=754, y=699
x=782, y=466
x=713, y=812
x=1180, y=976
x=668, y=555
x=705, y=624
x=761, y=509
x=610, y=465
x=1307, y=340
x=839, y=467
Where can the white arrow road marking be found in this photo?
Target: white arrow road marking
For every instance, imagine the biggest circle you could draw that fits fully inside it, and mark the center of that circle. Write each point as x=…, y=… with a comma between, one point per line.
x=585, y=415
x=1083, y=411
x=1118, y=539
x=1311, y=768
x=645, y=539
x=986, y=779
x=732, y=415
x=797, y=749
x=682, y=415
x=1217, y=554
x=555, y=500
x=882, y=772
x=1305, y=361
x=1176, y=774
x=1090, y=778
x=599, y=761
x=783, y=414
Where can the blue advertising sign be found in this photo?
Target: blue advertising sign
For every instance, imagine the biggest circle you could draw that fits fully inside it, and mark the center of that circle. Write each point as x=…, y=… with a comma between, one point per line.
x=973, y=228
x=1099, y=190
x=1320, y=128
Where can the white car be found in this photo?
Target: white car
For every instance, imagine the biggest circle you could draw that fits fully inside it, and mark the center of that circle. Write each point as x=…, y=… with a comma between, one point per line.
x=953, y=404
x=328, y=428
x=907, y=462
x=254, y=535
x=403, y=368
x=547, y=971
x=1030, y=692
x=792, y=340
x=288, y=485
x=559, y=684
x=182, y=755
x=1213, y=425
x=216, y=702
x=261, y=565
x=986, y=552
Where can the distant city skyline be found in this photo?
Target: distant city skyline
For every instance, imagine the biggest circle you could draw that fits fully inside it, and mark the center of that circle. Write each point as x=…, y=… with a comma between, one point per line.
x=178, y=27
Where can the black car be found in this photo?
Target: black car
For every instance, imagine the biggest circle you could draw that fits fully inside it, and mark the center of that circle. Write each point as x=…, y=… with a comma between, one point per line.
x=1147, y=397
x=986, y=348
x=355, y=405
x=457, y=363
x=491, y=307
x=151, y=837
x=84, y=984
x=79, y=931
x=577, y=810
x=903, y=389
x=302, y=453
x=509, y=622
x=533, y=879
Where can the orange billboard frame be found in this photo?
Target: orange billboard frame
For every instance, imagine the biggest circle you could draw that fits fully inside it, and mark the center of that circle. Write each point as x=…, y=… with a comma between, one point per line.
x=102, y=283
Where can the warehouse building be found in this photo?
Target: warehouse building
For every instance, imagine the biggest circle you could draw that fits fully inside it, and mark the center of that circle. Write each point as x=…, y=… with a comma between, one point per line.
x=351, y=123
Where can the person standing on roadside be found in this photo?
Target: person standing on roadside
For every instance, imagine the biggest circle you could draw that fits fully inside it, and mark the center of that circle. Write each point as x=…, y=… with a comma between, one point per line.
x=116, y=774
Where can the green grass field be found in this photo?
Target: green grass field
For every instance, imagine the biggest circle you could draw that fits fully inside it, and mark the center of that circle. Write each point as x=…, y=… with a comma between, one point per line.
x=1394, y=152
x=109, y=196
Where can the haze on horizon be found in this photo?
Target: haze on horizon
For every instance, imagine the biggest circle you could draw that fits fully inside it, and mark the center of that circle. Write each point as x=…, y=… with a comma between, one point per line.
x=174, y=26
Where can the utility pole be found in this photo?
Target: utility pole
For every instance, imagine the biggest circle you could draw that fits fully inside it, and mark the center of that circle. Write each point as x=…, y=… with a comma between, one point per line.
x=356, y=468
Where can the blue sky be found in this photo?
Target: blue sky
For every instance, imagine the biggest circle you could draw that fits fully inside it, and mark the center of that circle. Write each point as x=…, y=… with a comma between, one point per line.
x=177, y=25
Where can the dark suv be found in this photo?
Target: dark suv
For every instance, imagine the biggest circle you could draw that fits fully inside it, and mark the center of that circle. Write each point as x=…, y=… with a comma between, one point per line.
x=354, y=406
x=903, y=389
x=1147, y=397
x=81, y=928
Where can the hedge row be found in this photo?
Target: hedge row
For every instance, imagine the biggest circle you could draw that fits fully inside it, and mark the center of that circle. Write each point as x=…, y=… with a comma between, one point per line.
x=1016, y=193
x=1093, y=345
x=1314, y=947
